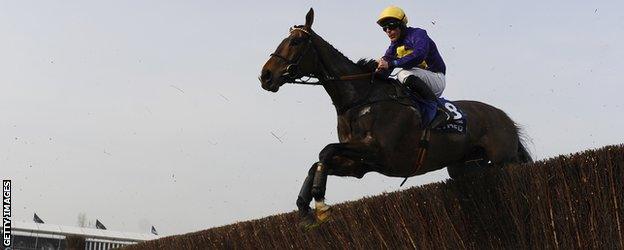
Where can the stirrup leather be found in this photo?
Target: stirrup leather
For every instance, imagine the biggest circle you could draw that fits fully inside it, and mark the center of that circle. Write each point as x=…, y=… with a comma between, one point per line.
x=441, y=117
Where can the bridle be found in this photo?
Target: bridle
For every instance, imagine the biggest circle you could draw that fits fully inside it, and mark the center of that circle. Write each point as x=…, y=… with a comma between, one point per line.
x=293, y=72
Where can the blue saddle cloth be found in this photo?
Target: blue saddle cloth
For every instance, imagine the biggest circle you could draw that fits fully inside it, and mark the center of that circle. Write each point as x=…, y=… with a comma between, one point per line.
x=428, y=110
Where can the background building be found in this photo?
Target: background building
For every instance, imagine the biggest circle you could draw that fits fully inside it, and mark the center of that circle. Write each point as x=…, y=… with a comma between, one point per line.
x=47, y=236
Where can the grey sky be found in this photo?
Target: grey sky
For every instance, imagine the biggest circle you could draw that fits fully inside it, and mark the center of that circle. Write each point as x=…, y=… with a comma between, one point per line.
x=144, y=113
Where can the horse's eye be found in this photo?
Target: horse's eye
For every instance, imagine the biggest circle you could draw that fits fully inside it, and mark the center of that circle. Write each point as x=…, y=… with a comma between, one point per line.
x=296, y=41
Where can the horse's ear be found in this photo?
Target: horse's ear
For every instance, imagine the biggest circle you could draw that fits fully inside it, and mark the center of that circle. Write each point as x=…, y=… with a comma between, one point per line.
x=309, y=18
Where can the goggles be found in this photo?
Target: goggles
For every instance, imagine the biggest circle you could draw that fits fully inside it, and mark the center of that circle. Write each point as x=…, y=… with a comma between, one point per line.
x=390, y=26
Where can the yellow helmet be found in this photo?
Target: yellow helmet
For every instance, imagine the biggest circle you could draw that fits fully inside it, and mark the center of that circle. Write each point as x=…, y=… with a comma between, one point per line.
x=392, y=12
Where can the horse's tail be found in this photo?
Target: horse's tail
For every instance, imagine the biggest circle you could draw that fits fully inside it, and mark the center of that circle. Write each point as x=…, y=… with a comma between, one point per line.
x=524, y=156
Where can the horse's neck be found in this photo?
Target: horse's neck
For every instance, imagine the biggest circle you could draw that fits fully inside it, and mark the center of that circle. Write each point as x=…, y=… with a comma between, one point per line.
x=343, y=93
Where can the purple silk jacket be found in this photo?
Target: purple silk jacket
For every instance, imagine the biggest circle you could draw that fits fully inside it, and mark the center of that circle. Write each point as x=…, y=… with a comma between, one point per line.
x=415, y=49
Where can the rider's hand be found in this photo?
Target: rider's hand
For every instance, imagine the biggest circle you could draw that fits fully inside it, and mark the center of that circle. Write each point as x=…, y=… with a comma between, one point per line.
x=381, y=64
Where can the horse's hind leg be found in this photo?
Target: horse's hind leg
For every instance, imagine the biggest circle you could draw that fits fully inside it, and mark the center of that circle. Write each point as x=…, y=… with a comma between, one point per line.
x=473, y=162
x=502, y=149
x=461, y=169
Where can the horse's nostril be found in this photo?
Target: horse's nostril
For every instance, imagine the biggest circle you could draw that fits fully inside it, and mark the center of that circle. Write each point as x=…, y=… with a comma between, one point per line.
x=266, y=76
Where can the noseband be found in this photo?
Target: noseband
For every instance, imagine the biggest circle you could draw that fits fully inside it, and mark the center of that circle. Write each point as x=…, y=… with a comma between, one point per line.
x=293, y=72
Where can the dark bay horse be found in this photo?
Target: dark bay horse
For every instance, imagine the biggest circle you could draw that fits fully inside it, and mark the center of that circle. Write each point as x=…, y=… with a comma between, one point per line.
x=378, y=130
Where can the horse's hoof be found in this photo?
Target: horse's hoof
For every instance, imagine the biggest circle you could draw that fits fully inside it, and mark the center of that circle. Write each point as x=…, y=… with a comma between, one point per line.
x=308, y=222
x=322, y=215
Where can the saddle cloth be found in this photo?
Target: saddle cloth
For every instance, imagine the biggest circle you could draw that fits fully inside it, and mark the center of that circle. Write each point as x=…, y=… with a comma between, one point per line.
x=428, y=109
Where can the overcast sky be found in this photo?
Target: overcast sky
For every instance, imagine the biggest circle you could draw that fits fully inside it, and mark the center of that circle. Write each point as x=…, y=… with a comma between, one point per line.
x=143, y=113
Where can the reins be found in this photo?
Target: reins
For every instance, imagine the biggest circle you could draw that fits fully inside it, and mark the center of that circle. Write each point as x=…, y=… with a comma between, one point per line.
x=352, y=77
x=307, y=81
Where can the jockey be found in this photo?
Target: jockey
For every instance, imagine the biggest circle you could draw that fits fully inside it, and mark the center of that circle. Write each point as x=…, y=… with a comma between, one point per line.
x=421, y=66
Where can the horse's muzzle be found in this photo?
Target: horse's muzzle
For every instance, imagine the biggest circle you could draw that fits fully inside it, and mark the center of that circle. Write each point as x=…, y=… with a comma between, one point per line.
x=266, y=76
x=269, y=82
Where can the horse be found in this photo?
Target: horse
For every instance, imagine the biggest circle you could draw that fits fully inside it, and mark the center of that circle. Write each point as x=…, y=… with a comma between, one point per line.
x=378, y=130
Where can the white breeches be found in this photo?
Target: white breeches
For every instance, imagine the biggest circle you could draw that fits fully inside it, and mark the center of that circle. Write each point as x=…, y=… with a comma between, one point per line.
x=435, y=81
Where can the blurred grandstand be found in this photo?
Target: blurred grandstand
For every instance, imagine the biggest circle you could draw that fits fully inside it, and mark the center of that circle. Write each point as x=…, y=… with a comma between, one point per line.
x=47, y=236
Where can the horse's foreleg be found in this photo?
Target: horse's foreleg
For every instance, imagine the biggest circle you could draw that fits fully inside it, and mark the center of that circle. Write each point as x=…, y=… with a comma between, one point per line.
x=313, y=187
x=305, y=194
x=318, y=192
x=341, y=160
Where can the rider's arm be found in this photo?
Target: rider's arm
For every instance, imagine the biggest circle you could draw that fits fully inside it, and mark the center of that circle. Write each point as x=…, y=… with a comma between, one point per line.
x=418, y=41
x=390, y=55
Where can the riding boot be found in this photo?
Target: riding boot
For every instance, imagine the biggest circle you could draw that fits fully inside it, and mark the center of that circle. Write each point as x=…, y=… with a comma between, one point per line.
x=419, y=87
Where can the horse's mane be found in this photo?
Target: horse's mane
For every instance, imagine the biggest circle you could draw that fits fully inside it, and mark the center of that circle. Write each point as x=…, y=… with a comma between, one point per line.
x=367, y=65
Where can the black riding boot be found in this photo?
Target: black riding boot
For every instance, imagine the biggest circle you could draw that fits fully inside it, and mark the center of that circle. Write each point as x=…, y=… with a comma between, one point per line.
x=419, y=87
